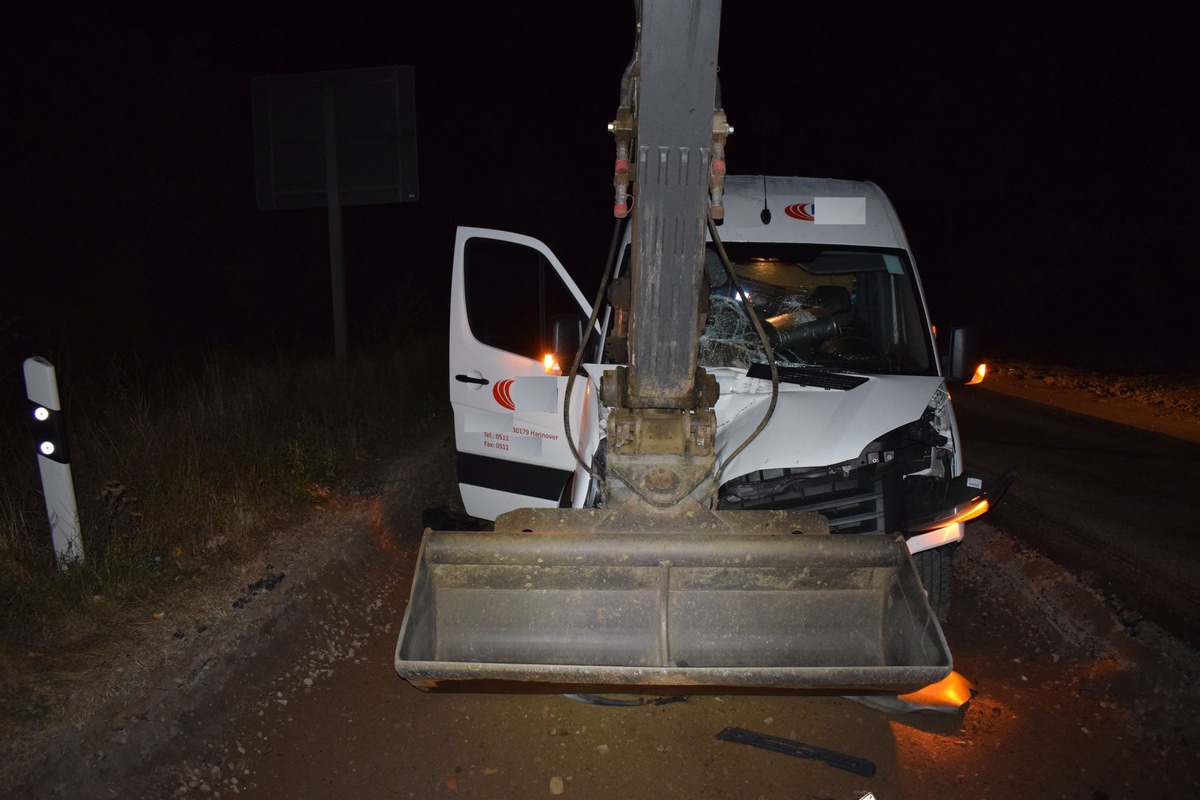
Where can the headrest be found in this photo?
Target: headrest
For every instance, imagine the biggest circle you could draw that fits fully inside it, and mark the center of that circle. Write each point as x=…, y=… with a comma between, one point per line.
x=831, y=298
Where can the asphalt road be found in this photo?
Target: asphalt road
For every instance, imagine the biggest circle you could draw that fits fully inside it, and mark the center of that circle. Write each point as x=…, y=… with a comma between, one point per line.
x=1115, y=505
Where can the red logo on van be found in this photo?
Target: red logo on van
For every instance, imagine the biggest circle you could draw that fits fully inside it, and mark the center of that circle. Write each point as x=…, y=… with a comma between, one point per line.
x=802, y=211
x=502, y=391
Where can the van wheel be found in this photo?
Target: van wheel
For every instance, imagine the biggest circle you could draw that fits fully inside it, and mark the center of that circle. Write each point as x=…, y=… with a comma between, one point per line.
x=935, y=568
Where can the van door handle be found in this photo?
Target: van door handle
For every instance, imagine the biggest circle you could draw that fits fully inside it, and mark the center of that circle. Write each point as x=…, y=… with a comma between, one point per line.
x=469, y=379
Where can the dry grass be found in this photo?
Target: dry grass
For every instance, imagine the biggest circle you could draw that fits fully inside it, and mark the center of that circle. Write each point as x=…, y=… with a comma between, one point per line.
x=185, y=471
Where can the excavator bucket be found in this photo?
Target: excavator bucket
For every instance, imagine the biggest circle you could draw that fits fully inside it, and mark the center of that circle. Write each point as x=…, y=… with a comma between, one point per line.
x=752, y=605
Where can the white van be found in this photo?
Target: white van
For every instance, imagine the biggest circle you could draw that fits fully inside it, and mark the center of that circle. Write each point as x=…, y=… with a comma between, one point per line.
x=862, y=431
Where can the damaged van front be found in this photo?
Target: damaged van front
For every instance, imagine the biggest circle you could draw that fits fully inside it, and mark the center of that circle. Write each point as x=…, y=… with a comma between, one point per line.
x=860, y=427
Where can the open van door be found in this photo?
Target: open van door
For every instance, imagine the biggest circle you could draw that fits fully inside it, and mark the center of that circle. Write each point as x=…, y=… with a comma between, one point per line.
x=508, y=296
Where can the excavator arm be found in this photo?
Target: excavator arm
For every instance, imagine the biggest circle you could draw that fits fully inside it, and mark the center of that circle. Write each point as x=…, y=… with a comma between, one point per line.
x=661, y=427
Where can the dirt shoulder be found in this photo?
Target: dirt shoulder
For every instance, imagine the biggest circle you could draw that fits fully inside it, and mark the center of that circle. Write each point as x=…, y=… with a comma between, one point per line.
x=104, y=719
x=1166, y=404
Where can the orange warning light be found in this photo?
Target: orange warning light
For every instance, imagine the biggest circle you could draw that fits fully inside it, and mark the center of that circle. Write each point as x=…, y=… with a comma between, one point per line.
x=550, y=365
x=951, y=692
x=980, y=374
x=977, y=510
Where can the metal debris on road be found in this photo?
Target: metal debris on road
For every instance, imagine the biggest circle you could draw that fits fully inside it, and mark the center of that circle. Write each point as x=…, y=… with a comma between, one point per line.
x=790, y=747
x=258, y=587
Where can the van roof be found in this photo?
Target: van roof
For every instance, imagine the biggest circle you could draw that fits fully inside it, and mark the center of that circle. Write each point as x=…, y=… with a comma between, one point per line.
x=864, y=217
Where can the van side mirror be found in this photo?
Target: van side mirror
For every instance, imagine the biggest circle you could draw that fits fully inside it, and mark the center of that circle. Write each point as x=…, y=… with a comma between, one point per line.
x=963, y=361
x=566, y=334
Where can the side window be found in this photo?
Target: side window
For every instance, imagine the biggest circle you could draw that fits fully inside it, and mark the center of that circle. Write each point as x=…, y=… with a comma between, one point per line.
x=512, y=295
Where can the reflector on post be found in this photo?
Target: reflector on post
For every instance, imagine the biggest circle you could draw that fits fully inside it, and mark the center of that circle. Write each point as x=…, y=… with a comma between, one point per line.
x=54, y=456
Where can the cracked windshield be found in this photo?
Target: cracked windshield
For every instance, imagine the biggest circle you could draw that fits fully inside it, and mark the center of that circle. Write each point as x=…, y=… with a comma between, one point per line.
x=840, y=308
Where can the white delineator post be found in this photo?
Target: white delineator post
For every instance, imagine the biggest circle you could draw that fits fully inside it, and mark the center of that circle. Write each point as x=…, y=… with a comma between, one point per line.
x=54, y=459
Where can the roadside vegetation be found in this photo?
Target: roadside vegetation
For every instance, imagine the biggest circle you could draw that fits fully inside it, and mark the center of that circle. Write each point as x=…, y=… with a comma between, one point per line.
x=185, y=469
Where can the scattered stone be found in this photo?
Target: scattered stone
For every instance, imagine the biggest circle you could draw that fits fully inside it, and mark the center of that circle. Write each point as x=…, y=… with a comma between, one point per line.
x=556, y=785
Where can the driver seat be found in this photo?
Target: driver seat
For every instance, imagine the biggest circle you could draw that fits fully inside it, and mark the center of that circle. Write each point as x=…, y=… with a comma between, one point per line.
x=836, y=302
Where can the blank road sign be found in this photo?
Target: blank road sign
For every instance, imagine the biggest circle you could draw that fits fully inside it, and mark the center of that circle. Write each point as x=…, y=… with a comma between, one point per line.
x=370, y=112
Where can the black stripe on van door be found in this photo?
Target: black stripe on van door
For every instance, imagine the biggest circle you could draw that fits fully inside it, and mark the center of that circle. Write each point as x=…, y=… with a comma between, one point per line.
x=510, y=476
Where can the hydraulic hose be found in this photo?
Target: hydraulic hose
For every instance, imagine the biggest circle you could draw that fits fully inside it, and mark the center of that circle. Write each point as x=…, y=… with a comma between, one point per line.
x=609, y=268
x=767, y=349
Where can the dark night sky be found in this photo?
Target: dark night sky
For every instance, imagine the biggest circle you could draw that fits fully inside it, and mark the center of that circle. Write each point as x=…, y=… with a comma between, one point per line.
x=1044, y=161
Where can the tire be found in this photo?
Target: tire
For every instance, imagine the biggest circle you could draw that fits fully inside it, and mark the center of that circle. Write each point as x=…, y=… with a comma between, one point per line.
x=935, y=568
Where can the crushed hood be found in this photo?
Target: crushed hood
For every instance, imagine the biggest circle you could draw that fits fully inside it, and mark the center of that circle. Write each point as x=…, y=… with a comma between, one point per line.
x=811, y=427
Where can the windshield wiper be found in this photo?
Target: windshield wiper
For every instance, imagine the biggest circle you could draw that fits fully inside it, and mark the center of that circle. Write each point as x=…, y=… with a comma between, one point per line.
x=811, y=375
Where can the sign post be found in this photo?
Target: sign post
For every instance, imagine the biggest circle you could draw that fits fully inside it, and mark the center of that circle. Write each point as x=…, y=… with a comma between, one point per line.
x=329, y=139
x=54, y=460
